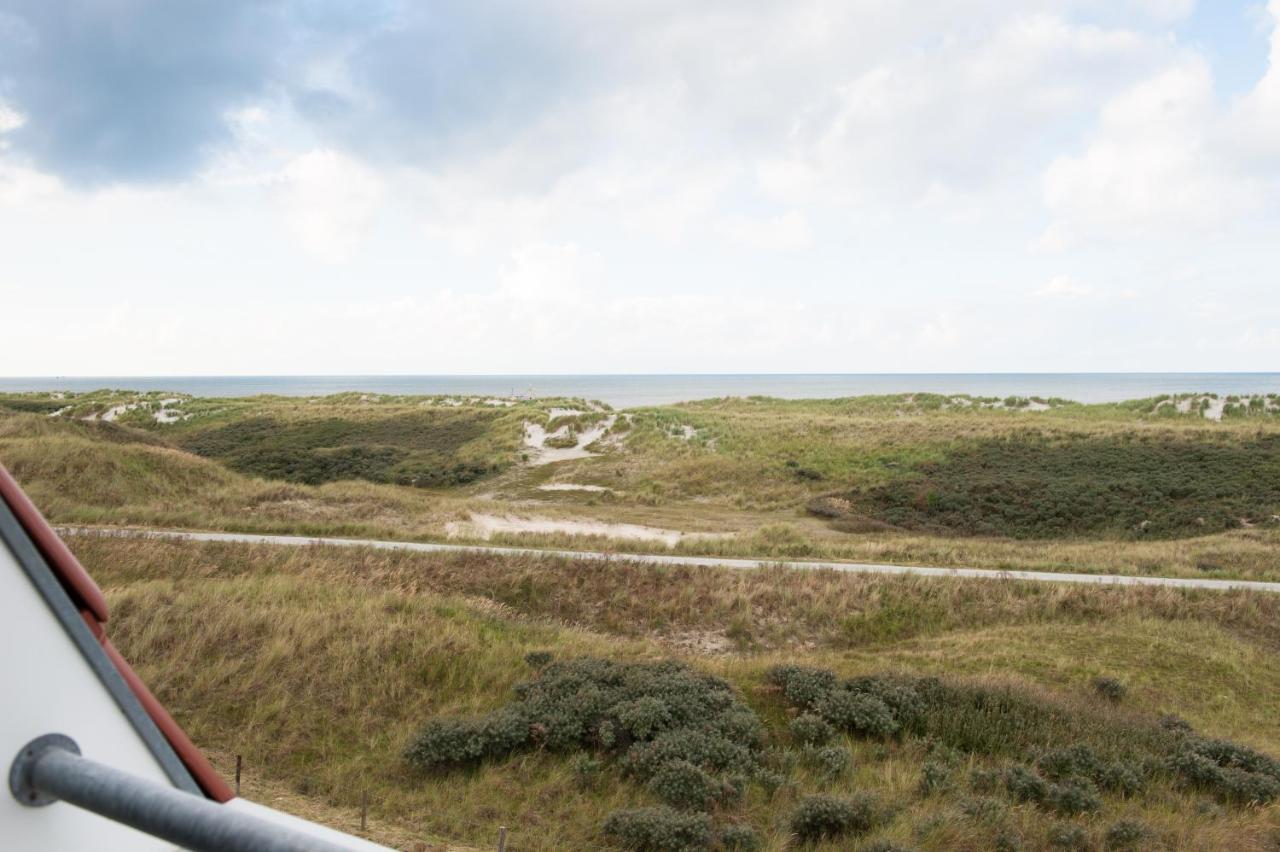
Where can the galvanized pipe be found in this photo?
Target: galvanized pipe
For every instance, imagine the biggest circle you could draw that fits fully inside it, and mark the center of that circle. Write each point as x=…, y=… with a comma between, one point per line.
x=51, y=769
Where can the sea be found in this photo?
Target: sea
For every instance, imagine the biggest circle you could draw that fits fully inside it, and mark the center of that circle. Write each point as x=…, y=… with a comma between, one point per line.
x=629, y=391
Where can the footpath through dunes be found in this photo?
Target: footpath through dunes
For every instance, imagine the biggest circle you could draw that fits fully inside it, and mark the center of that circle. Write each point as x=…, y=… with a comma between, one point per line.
x=683, y=560
x=323, y=665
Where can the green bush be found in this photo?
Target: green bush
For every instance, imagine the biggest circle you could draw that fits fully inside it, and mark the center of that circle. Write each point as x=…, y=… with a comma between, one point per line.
x=1064, y=835
x=1110, y=689
x=858, y=713
x=585, y=769
x=682, y=785
x=643, y=717
x=985, y=780
x=824, y=817
x=1025, y=785
x=983, y=808
x=1034, y=484
x=1126, y=779
x=739, y=837
x=658, y=830
x=538, y=659
x=1126, y=834
x=934, y=778
x=833, y=761
x=811, y=729
x=1073, y=796
x=1077, y=760
x=803, y=687
x=1231, y=771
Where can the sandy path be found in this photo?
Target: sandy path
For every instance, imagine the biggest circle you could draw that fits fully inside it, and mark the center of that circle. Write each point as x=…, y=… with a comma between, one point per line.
x=671, y=559
x=486, y=526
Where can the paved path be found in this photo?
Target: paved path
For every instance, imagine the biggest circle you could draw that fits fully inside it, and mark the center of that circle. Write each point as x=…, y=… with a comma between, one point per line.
x=681, y=559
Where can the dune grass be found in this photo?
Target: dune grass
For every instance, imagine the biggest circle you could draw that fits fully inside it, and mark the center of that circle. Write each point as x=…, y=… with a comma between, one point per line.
x=320, y=665
x=1135, y=488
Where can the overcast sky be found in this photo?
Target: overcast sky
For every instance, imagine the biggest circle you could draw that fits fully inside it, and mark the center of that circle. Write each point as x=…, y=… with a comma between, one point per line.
x=568, y=186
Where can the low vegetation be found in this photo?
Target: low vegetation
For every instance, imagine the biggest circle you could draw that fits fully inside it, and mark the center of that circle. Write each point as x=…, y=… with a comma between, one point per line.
x=1034, y=485
x=975, y=725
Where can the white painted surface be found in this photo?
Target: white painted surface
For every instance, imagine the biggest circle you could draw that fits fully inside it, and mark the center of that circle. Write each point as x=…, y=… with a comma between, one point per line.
x=49, y=687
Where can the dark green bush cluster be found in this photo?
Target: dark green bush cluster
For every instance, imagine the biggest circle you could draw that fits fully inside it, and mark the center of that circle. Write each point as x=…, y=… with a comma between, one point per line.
x=658, y=830
x=684, y=735
x=866, y=706
x=1043, y=485
x=682, y=785
x=1231, y=771
x=824, y=817
x=423, y=448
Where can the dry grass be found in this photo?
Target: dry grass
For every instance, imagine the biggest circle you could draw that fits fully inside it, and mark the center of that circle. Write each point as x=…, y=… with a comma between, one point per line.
x=318, y=665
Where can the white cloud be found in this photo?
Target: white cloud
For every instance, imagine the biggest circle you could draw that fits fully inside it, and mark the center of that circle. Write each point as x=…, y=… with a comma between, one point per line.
x=1064, y=286
x=330, y=201
x=788, y=231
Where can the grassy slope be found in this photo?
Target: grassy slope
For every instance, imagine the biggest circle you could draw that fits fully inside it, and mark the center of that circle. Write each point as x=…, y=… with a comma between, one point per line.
x=319, y=664
x=750, y=468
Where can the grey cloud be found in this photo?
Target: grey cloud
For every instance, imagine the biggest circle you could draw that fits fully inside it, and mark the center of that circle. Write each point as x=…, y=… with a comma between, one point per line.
x=139, y=90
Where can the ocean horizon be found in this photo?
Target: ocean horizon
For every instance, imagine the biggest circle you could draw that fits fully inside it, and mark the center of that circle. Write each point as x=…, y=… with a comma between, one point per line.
x=631, y=390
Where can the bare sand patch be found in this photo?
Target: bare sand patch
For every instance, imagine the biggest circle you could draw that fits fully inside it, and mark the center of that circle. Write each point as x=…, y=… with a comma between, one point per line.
x=572, y=486
x=535, y=439
x=486, y=526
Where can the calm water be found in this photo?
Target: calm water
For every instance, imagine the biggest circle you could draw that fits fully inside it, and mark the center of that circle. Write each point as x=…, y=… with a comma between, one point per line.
x=632, y=390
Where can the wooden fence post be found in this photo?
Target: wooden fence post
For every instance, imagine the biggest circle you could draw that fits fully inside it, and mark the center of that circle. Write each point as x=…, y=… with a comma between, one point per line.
x=237, y=775
x=502, y=839
x=364, y=810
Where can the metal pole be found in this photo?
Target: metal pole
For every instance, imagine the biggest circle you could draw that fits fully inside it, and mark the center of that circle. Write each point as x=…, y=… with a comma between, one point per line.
x=50, y=769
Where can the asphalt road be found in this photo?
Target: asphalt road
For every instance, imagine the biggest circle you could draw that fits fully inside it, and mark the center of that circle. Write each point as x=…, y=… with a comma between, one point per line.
x=672, y=559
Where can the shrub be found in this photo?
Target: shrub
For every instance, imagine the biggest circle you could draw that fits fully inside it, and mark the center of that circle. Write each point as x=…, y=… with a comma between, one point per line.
x=710, y=751
x=982, y=808
x=1110, y=689
x=1123, y=778
x=538, y=659
x=643, y=717
x=858, y=713
x=1078, y=760
x=658, y=830
x=824, y=817
x=985, y=780
x=1125, y=834
x=804, y=687
x=585, y=769
x=934, y=777
x=833, y=761
x=811, y=729
x=902, y=698
x=682, y=785
x=1231, y=771
x=739, y=837
x=1074, y=796
x=1064, y=835
x=1025, y=785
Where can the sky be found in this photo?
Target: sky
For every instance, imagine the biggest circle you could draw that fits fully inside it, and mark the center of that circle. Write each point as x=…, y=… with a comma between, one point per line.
x=268, y=187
